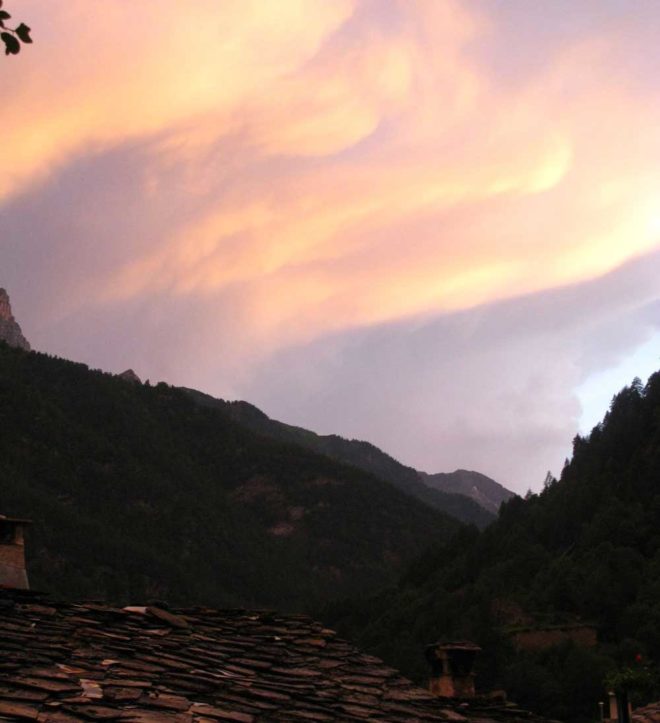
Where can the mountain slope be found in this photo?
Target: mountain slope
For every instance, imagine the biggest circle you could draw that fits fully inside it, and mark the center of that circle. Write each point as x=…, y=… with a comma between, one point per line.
x=138, y=492
x=360, y=454
x=585, y=550
x=483, y=490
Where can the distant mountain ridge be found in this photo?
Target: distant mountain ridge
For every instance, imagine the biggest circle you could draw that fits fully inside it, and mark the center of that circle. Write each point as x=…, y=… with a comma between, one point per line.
x=471, y=497
x=137, y=492
x=482, y=489
x=10, y=330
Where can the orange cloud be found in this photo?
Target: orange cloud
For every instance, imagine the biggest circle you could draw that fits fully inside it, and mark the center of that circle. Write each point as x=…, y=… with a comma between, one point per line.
x=99, y=78
x=376, y=171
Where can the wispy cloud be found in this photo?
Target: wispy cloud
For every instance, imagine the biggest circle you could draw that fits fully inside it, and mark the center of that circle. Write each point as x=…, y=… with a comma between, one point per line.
x=277, y=172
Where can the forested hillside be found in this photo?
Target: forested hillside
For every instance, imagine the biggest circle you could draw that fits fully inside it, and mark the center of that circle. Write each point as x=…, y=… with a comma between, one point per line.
x=365, y=456
x=137, y=492
x=584, y=550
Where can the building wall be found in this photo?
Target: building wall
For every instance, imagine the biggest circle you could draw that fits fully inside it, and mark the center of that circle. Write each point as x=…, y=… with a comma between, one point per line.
x=584, y=636
x=12, y=566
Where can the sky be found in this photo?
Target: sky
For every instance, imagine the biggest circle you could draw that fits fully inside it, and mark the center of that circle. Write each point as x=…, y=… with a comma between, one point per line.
x=430, y=224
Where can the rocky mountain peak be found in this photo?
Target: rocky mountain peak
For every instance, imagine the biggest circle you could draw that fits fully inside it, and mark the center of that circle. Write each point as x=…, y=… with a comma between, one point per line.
x=130, y=376
x=5, y=308
x=10, y=331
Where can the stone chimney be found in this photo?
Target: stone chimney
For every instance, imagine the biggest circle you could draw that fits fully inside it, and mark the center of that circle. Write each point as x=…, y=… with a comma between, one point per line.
x=451, y=669
x=620, y=707
x=13, y=572
x=10, y=331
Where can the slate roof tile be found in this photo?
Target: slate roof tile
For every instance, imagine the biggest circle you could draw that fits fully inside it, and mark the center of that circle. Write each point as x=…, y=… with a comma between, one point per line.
x=68, y=662
x=648, y=714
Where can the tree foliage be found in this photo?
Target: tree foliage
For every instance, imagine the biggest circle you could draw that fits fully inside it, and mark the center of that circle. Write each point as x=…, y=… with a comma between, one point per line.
x=137, y=492
x=586, y=549
x=13, y=37
x=356, y=453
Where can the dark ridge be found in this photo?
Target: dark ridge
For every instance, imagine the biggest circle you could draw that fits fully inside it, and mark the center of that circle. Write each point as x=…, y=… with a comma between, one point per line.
x=360, y=454
x=561, y=589
x=136, y=492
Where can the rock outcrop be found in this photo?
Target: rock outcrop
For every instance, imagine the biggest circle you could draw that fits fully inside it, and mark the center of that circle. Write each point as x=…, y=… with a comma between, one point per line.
x=130, y=376
x=10, y=331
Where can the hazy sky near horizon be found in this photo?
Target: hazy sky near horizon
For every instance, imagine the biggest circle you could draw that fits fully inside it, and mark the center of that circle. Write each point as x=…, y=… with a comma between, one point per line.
x=431, y=224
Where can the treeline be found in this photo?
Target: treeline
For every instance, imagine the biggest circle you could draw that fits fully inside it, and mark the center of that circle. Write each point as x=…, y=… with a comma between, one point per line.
x=586, y=549
x=138, y=493
x=363, y=455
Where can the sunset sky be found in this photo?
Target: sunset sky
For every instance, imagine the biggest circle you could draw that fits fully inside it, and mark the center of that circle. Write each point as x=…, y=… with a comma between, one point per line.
x=434, y=225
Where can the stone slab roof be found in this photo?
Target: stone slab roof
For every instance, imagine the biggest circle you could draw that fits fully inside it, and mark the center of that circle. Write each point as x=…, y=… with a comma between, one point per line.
x=648, y=714
x=64, y=662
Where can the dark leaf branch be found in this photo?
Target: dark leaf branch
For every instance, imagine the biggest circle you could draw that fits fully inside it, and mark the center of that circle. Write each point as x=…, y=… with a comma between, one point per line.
x=12, y=37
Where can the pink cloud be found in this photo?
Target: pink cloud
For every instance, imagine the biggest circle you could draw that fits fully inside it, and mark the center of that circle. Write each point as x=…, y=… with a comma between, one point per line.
x=280, y=172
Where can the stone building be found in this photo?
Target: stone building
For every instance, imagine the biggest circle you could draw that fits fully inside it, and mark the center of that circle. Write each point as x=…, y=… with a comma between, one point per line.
x=13, y=573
